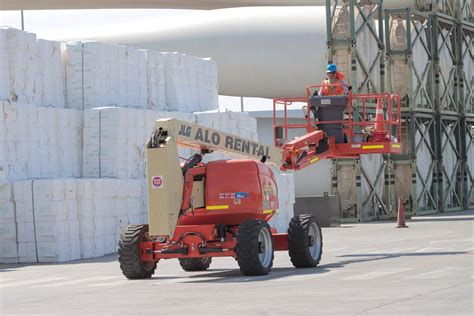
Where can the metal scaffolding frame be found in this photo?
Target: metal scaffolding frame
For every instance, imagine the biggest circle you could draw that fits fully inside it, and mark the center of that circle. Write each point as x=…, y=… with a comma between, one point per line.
x=424, y=54
x=360, y=206
x=448, y=129
x=420, y=92
x=444, y=30
x=465, y=52
x=445, y=7
x=347, y=46
x=467, y=173
x=423, y=127
x=358, y=21
x=465, y=11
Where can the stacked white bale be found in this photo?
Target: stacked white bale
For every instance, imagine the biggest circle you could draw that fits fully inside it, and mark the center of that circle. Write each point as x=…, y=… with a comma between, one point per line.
x=51, y=74
x=115, y=141
x=61, y=220
x=55, y=220
x=24, y=217
x=207, y=84
x=136, y=79
x=286, y=200
x=8, y=243
x=191, y=83
x=19, y=134
x=39, y=142
x=4, y=68
x=25, y=82
x=105, y=207
x=155, y=67
x=235, y=123
x=60, y=146
x=105, y=75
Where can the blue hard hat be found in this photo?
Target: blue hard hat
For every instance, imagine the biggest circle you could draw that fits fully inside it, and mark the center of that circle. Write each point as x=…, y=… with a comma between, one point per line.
x=331, y=68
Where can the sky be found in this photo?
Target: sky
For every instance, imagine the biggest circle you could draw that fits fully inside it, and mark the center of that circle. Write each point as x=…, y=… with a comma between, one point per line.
x=45, y=22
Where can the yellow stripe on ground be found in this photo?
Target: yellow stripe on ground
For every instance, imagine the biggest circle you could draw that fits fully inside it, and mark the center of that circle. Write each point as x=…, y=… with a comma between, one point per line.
x=267, y=211
x=217, y=207
x=373, y=147
x=314, y=160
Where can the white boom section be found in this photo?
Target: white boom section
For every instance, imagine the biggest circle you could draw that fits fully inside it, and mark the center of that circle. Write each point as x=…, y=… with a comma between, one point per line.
x=205, y=138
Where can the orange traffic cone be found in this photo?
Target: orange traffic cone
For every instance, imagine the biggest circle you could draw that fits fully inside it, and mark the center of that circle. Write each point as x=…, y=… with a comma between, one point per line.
x=379, y=133
x=401, y=214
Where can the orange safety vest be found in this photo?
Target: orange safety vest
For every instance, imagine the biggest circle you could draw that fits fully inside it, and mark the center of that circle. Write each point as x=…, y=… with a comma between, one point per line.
x=328, y=88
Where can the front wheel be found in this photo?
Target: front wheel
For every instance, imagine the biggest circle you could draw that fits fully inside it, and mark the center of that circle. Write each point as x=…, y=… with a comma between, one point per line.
x=129, y=253
x=305, y=241
x=255, y=248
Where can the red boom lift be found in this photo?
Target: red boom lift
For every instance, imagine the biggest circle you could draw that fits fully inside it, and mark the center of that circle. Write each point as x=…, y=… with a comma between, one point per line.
x=197, y=210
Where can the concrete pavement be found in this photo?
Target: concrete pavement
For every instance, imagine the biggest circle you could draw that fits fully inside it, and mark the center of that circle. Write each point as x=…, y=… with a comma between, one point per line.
x=367, y=269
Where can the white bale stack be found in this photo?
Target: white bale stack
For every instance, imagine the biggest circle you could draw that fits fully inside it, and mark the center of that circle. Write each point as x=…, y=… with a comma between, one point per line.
x=60, y=220
x=115, y=138
x=4, y=68
x=105, y=75
x=26, y=238
x=39, y=142
x=207, y=84
x=55, y=220
x=105, y=207
x=24, y=79
x=286, y=199
x=155, y=67
x=8, y=244
x=235, y=123
x=51, y=73
x=191, y=83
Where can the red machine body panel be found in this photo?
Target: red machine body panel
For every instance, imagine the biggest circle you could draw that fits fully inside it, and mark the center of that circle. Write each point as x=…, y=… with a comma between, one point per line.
x=236, y=190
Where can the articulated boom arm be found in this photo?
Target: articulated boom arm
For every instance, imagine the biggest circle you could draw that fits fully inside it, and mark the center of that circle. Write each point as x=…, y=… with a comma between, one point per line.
x=209, y=140
x=294, y=155
x=303, y=151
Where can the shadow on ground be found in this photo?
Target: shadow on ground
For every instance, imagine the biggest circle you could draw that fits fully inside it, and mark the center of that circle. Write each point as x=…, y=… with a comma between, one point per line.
x=15, y=266
x=234, y=275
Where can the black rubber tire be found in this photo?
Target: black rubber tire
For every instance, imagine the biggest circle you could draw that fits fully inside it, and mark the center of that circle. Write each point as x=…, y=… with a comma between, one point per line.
x=299, y=242
x=129, y=253
x=195, y=264
x=248, y=248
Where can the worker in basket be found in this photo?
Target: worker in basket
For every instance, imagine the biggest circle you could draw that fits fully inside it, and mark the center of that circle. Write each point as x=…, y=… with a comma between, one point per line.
x=334, y=84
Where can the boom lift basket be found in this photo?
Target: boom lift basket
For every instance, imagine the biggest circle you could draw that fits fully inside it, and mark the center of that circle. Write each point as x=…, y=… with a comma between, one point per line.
x=353, y=124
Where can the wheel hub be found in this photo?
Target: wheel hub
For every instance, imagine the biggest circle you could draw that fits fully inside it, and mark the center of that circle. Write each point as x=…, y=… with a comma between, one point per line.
x=261, y=247
x=311, y=241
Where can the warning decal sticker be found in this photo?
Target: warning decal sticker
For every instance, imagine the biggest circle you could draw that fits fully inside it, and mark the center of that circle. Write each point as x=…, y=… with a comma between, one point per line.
x=157, y=182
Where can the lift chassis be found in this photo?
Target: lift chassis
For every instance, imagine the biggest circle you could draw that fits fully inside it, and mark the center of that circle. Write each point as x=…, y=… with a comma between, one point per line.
x=198, y=210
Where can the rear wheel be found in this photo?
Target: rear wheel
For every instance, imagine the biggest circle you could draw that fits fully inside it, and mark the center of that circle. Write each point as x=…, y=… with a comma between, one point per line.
x=255, y=248
x=195, y=264
x=129, y=253
x=305, y=241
